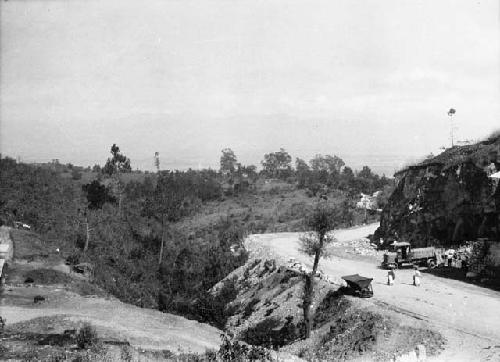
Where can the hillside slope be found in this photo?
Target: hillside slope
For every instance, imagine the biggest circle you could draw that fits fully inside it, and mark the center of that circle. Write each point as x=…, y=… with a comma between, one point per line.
x=465, y=315
x=267, y=310
x=448, y=198
x=69, y=299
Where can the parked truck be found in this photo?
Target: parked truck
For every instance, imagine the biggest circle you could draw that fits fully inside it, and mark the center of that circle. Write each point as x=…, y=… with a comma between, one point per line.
x=402, y=253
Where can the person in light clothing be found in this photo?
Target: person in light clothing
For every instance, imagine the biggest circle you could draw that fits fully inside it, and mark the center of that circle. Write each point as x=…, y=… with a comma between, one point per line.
x=391, y=276
x=416, y=276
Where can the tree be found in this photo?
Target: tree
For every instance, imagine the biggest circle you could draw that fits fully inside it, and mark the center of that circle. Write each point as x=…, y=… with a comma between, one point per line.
x=347, y=179
x=321, y=221
x=328, y=163
x=115, y=165
x=228, y=162
x=277, y=164
x=118, y=163
x=97, y=195
x=170, y=201
x=365, y=172
x=302, y=171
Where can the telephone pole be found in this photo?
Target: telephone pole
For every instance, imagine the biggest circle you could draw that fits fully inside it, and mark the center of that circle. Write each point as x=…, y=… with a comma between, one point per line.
x=157, y=161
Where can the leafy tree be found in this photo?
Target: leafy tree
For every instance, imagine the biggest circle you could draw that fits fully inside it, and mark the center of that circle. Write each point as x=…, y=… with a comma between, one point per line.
x=277, y=164
x=76, y=175
x=346, y=215
x=365, y=172
x=322, y=220
x=302, y=171
x=328, y=163
x=96, y=195
x=250, y=171
x=171, y=200
x=228, y=162
x=114, y=166
x=117, y=163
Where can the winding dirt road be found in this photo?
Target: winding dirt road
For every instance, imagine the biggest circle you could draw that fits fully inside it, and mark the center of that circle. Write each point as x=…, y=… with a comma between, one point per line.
x=467, y=315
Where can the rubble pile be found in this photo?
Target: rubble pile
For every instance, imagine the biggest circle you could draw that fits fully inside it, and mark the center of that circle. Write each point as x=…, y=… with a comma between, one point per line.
x=359, y=247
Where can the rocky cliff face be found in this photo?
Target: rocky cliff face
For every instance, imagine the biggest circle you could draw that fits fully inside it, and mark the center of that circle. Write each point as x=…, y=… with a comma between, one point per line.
x=447, y=199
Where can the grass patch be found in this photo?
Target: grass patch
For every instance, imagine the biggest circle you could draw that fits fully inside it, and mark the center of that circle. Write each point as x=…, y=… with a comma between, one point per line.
x=48, y=276
x=27, y=245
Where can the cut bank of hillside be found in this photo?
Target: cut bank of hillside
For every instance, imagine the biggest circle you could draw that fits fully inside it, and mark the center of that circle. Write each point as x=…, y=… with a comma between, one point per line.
x=464, y=314
x=447, y=199
x=267, y=311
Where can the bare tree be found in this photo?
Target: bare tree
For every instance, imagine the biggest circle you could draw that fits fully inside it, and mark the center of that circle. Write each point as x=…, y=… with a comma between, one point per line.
x=314, y=243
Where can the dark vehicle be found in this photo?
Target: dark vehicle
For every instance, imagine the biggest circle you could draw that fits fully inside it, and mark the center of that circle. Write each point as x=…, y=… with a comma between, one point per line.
x=359, y=286
x=403, y=253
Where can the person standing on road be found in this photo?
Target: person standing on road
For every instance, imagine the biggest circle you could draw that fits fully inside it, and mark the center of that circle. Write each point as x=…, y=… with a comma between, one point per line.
x=391, y=275
x=416, y=276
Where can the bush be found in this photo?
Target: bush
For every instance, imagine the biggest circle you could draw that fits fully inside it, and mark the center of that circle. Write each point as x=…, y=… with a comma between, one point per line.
x=236, y=351
x=214, y=309
x=266, y=334
x=86, y=337
x=331, y=306
x=47, y=276
x=249, y=307
x=73, y=259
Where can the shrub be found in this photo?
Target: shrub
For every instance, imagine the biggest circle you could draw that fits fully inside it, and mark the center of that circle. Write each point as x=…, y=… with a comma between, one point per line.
x=267, y=334
x=86, y=337
x=249, y=308
x=214, y=309
x=332, y=305
x=73, y=259
x=237, y=351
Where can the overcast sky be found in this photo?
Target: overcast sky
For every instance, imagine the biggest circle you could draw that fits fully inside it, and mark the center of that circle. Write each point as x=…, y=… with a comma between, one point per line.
x=367, y=80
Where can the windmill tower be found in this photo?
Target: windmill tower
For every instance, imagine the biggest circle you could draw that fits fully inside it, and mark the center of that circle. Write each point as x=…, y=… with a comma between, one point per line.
x=451, y=113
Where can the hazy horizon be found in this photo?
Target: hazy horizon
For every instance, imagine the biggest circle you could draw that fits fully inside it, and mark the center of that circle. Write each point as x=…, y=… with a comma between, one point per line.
x=371, y=82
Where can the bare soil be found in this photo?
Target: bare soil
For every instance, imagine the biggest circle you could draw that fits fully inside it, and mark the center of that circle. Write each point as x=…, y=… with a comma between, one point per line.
x=466, y=315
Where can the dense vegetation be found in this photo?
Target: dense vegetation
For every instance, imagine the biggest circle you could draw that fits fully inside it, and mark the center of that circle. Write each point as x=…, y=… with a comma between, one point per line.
x=163, y=240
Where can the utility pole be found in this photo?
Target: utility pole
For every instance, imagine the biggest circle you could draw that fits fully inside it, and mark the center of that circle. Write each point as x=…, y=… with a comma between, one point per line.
x=157, y=162
x=163, y=221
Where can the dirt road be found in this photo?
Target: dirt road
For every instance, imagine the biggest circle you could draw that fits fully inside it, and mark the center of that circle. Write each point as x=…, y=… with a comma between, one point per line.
x=467, y=315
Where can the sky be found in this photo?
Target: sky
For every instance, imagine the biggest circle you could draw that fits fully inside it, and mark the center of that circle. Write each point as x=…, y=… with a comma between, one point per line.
x=371, y=81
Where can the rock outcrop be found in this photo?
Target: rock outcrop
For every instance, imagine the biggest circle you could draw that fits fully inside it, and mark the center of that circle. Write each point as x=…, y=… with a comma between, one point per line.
x=447, y=199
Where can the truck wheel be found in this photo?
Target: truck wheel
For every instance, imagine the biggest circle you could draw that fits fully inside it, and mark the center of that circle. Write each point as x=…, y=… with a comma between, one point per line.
x=431, y=263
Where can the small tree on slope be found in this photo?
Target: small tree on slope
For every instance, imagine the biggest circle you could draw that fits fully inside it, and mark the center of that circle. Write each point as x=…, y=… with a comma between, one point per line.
x=320, y=222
